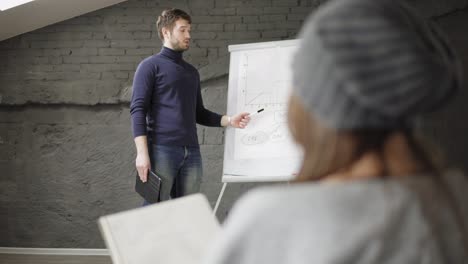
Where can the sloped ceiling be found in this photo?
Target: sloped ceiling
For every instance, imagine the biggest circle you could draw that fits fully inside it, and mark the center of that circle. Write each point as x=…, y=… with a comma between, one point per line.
x=41, y=13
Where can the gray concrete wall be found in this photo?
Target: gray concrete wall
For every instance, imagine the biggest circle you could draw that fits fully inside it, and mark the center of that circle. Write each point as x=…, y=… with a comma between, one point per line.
x=66, y=151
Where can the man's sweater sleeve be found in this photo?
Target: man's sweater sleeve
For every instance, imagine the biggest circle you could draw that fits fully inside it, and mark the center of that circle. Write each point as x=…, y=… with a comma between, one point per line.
x=143, y=84
x=204, y=116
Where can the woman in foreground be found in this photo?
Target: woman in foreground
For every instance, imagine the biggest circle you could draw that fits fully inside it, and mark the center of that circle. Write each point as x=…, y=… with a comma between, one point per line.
x=367, y=192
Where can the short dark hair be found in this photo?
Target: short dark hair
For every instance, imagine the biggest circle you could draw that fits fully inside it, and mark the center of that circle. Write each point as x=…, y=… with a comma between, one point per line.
x=168, y=18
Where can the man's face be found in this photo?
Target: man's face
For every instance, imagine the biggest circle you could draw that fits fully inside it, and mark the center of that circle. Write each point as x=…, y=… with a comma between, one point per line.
x=179, y=38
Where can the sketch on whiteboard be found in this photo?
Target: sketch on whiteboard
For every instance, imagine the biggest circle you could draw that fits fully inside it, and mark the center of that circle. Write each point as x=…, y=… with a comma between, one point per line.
x=260, y=78
x=261, y=86
x=258, y=137
x=278, y=133
x=267, y=135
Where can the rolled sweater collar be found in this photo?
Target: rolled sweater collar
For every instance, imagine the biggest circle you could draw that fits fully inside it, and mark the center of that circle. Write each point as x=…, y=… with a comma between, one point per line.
x=171, y=54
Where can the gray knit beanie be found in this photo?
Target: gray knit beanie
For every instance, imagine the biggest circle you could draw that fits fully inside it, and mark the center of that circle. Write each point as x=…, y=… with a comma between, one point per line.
x=372, y=64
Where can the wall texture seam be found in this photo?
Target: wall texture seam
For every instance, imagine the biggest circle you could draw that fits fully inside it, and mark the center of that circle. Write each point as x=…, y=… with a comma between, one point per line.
x=451, y=12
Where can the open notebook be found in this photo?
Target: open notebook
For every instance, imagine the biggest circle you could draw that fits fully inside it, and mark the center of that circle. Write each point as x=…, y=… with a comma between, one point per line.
x=172, y=232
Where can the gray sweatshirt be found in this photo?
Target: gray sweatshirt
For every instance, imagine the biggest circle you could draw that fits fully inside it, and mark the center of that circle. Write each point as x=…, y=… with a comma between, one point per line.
x=409, y=220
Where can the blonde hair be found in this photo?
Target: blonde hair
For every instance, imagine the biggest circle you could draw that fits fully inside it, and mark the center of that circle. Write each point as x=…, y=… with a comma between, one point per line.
x=328, y=150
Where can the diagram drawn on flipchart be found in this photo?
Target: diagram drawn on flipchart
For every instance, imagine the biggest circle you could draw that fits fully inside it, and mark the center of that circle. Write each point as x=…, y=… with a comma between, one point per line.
x=262, y=85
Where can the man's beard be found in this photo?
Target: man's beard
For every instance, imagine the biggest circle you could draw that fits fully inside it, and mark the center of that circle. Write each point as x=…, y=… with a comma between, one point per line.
x=178, y=47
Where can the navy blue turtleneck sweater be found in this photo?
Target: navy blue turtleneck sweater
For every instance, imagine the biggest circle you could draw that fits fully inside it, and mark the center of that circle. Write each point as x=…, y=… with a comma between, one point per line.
x=167, y=102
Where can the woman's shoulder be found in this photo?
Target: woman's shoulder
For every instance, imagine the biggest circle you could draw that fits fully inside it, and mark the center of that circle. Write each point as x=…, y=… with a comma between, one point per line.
x=309, y=216
x=337, y=205
x=330, y=195
x=378, y=194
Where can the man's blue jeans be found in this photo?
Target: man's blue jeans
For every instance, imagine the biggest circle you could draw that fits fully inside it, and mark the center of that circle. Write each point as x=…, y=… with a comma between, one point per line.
x=180, y=169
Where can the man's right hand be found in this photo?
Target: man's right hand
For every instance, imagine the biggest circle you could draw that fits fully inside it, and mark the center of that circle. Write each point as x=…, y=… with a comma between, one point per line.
x=143, y=165
x=142, y=161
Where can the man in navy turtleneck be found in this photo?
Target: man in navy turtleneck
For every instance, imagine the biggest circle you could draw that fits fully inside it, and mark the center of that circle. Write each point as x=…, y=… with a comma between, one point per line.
x=166, y=105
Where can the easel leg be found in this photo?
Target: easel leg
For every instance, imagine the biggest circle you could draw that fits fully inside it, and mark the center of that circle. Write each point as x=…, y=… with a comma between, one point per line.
x=219, y=198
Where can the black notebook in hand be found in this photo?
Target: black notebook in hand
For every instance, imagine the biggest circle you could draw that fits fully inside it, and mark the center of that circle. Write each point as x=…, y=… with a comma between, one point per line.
x=150, y=189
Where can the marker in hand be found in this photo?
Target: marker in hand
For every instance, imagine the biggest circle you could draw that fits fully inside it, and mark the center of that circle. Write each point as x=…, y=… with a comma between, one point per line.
x=256, y=113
